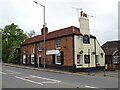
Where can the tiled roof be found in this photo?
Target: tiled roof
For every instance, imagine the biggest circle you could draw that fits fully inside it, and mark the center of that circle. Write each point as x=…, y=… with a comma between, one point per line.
x=112, y=44
x=109, y=51
x=55, y=34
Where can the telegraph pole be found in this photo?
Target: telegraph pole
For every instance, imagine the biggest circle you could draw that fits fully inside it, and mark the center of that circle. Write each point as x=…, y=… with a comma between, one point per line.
x=44, y=30
x=77, y=9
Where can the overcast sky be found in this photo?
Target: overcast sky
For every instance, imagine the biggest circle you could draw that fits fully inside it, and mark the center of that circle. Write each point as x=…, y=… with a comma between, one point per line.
x=60, y=14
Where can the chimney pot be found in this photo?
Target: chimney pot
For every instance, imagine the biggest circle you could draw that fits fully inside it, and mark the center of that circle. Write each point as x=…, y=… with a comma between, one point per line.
x=81, y=13
x=46, y=29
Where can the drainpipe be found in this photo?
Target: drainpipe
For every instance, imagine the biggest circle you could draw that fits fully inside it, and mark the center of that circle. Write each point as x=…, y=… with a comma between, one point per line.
x=95, y=51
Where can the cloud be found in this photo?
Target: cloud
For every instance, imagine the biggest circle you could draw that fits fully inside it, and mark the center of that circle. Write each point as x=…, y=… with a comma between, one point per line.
x=60, y=14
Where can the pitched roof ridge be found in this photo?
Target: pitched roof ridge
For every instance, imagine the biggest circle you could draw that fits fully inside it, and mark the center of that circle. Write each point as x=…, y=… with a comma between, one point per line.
x=113, y=41
x=62, y=29
x=53, y=34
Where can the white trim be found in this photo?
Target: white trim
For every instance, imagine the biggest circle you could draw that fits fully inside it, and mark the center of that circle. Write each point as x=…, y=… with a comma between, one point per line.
x=32, y=55
x=79, y=59
x=24, y=59
x=33, y=50
x=115, y=52
x=40, y=44
x=56, y=58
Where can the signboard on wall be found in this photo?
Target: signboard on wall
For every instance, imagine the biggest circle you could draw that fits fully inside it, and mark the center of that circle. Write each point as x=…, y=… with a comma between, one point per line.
x=49, y=52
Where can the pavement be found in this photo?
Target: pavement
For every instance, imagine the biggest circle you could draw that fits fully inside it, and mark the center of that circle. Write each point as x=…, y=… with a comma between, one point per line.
x=104, y=74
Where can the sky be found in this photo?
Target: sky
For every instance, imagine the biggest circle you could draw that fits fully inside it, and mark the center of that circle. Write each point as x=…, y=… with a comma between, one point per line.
x=61, y=14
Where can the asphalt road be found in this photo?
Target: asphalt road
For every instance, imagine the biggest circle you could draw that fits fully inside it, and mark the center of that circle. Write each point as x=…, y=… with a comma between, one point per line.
x=13, y=77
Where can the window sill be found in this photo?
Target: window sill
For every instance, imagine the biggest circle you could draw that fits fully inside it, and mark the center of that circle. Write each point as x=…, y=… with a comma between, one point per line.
x=79, y=64
x=58, y=48
x=39, y=50
x=58, y=64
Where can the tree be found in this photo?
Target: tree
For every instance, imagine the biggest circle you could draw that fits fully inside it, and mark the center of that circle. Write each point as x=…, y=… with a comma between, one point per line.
x=12, y=37
x=31, y=33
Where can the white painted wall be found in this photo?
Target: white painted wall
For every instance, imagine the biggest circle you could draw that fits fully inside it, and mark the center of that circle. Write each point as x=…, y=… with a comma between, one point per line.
x=79, y=45
x=84, y=25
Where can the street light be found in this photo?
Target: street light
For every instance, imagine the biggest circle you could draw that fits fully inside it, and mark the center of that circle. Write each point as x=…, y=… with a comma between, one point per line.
x=44, y=28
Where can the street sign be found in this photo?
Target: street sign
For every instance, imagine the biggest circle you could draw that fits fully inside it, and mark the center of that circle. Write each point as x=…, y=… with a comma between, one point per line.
x=48, y=52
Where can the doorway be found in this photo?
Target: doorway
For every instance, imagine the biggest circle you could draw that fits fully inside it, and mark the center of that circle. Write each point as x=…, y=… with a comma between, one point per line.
x=39, y=61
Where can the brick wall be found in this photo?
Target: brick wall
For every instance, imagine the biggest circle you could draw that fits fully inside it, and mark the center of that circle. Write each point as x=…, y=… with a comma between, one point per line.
x=66, y=47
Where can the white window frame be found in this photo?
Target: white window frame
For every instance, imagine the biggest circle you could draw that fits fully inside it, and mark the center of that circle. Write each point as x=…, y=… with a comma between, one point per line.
x=32, y=56
x=39, y=60
x=88, y=59
x=33, y=50
x=79, y=59
x=40, y=46
x=86, y=39
x=58, y=56
x=24, y=59
x=97, y=59
x=58, y=44
x=115, y=59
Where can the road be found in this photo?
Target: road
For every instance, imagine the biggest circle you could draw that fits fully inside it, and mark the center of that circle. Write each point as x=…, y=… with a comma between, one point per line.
x=13, y=77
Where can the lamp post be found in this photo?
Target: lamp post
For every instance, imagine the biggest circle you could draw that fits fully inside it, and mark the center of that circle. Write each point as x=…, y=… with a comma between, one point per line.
x=43, y=27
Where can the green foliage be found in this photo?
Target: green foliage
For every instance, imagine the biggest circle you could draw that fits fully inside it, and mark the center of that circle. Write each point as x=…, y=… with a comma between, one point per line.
x=12, y=37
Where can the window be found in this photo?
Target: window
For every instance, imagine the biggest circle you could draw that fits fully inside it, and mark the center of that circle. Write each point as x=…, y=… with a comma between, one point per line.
x=58, y=58
x=87, y=59
x=33, y=50
x=57, y=43
x=78, y=59
x=33, y=59
x=86, y=39
x=40, y=46
x=116, y=60
x=97, y=59
x=24, y=59
x=24, y=50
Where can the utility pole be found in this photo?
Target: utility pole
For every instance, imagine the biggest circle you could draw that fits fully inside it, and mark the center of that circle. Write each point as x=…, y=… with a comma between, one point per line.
x=77, y=9
x=44, y=31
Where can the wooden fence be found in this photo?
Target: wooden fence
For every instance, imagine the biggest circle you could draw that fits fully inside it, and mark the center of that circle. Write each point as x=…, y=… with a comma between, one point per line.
x=113, y=67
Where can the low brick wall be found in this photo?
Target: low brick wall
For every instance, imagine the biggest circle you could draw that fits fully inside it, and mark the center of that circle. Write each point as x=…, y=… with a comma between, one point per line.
x=113, y=66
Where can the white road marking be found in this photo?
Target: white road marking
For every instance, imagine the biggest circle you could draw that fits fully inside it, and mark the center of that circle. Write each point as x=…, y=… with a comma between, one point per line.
x=28, y=80
x=49, y=82
x=57, y=81
x=12, y=72
x=90, y=87
x=41, y=83
x=2, y=72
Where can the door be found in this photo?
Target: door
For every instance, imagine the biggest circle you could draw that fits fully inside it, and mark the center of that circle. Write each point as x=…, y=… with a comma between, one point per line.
x=39, y=61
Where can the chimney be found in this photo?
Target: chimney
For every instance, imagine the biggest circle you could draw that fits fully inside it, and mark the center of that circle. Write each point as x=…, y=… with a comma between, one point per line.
x=81, y=13
x=84, y=23
x=46, y=29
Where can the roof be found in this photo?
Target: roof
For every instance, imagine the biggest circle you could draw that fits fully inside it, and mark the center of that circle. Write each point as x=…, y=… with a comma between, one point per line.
x=109, y=51
x=55, y=34
x=112, y=44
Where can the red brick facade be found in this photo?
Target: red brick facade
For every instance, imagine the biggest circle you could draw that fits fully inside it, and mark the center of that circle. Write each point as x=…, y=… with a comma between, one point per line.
x=66, y=37
x=32, y=49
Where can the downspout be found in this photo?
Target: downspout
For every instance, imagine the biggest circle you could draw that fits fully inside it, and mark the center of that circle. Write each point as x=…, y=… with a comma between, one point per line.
x=74, y=70
x=95, y=50
x=74, y=67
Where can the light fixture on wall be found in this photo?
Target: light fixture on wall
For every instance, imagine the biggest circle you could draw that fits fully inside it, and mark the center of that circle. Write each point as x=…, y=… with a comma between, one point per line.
x=81, y=52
